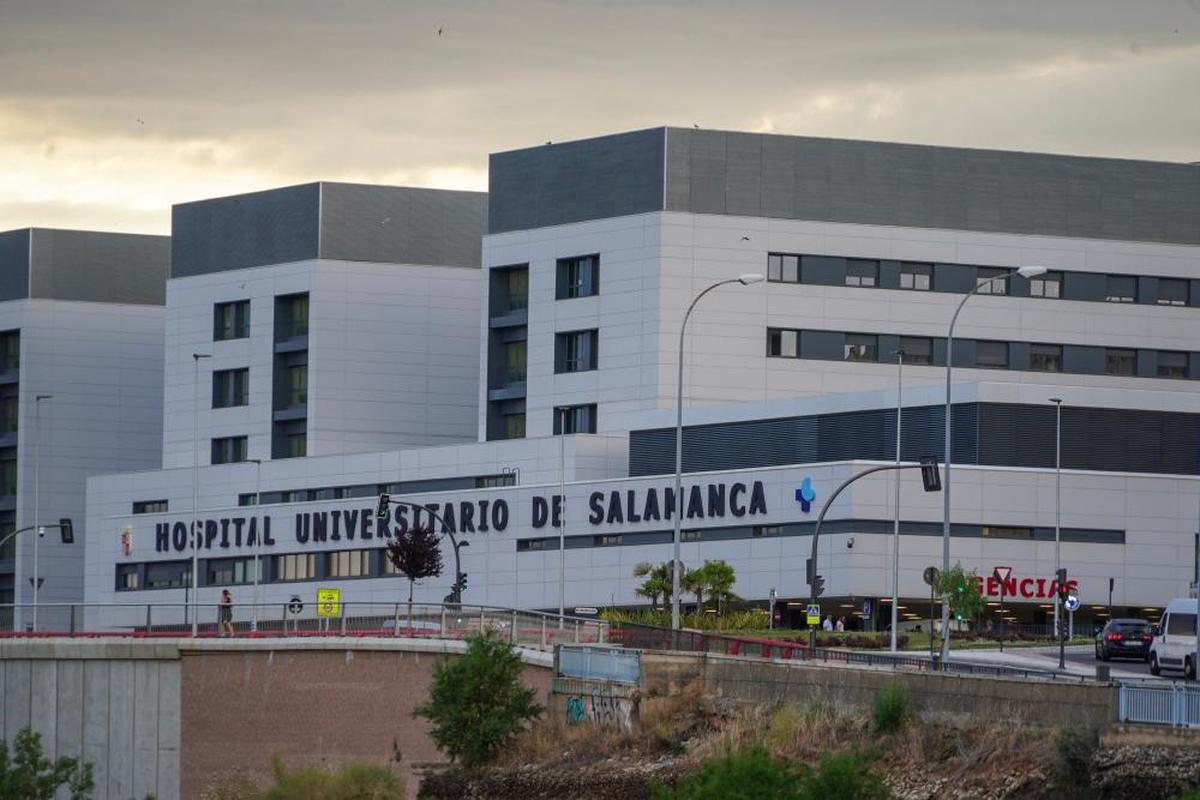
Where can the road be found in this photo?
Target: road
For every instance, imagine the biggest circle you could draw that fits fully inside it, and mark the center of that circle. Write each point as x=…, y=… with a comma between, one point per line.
x=1087, y=659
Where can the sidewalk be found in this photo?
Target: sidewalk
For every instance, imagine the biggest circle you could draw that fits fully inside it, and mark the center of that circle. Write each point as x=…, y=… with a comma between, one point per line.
x=1040, y=658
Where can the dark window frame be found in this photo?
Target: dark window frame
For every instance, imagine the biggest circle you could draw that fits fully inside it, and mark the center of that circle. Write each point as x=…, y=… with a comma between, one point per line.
x=1044, y=356
x=151, y=507
x=866, y=272
x=225, y=387
x=851, y=350
x=918, y=272
x=1038, y=286
x=226, y=449
x=577, y=276
x=1116, y=290
x=237, y=326
x=580, y=416
x=565, y=341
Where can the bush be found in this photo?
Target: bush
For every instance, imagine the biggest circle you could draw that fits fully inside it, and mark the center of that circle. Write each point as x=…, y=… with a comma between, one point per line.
x=753, y=774
x=351, y=782
x=26, y=773
x=1075, y=749
x=891, y=708
x=477, y=703
x=736, y=775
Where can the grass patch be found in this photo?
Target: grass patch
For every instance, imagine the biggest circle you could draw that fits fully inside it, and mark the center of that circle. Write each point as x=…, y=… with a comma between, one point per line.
x=891, y=709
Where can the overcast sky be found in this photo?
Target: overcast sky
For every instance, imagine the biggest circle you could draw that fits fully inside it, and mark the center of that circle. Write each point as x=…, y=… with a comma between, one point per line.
x=112, y=110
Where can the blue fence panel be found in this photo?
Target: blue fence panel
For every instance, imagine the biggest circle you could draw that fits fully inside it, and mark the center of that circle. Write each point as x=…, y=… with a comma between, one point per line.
x=1172, y=704
x=619, y=665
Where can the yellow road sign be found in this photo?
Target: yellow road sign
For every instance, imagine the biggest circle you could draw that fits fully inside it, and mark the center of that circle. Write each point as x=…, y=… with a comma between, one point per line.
x=329, y=602
x=813, y=616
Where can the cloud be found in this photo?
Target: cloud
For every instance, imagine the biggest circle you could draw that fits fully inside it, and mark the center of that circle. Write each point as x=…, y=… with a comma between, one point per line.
x=131, y=105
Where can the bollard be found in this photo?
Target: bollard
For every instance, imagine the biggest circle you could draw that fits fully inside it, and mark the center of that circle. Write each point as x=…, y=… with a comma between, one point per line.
x=512, y=633
x=148, y=628
x=396, y=627
x=576, y=631
x=543, y=630
x=283, y=627
x=343, y=611
x=443, y=620
x=481, y=612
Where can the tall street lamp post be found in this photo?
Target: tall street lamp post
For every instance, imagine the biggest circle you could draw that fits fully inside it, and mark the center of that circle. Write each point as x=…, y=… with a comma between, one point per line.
x=896, y=523
x=257, y=462
x=1057, y=510
x=745, y=280
x=563, y=411
x=196, y=532
x=1024, y=272
x=37, y=508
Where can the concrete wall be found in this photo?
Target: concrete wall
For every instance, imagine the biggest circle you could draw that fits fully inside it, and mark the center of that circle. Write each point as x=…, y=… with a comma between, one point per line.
x=112, y=704
x=950, y=697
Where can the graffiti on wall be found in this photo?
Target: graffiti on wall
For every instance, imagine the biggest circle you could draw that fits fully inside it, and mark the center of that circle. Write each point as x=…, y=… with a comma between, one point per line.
x=600, y=709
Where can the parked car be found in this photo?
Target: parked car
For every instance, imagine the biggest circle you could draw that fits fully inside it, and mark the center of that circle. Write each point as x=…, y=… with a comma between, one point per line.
x=1124, y=638
x=1174, y=645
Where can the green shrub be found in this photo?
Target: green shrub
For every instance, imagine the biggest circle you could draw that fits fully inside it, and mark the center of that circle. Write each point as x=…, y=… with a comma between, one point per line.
x=782, y=727
x=891, y=708
x=846, y=776
x=26, y=773
x=753, y=774
x=737, y=775
x=477, y=703
x=1074, y=755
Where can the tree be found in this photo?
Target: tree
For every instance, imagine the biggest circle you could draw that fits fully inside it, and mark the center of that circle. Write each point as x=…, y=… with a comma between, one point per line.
x=719, y=578
x=962, y=592
x=657, y=583
x=695, y=581
x=29, y=775
x=477, y=703
x=416, y=555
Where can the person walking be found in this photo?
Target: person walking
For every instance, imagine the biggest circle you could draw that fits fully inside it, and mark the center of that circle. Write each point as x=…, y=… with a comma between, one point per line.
x=827, y=625
x=841, y=624
x=225, y=615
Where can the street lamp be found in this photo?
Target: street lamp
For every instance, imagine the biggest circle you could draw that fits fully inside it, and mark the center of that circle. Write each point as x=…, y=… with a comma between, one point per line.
x=37, y=511
x=896, y=525
x=562, y=513
x=1024, y=272
x=195, y=582
x=257, y=462
x=745, y=280
x=1057, y=509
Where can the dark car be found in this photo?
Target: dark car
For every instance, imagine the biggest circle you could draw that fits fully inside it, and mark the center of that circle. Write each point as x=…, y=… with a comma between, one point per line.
x=1124, y=638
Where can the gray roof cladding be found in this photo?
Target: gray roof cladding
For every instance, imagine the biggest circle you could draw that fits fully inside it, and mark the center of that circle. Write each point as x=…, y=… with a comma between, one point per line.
x=839, y=180
x=87, y=266
x=341, y=221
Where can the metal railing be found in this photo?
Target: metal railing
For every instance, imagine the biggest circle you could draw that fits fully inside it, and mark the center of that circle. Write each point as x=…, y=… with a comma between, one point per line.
x=272, y=620
x=647, y=637
x=1174, y=704
x=616, y=664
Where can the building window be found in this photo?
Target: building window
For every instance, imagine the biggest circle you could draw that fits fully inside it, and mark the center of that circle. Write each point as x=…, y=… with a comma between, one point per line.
x=291, y=316
x=1121, y=289
x=10, y=351
x=1119, y=361
x=226, y=571
x=8, y=550
x=295, y=567
x=168, y=574
x=514, y=426
x=576, y=351
x=985, y=280
x=511, y=287
x=514, y=362
x=127, y=577
x=231, y=320
x=991, y=355
x=1172, y=292
x=1172, y=364
x=783, y=343
x=1047, y=285
x=689, y=536
x=531, y=544
x=766, y=530
x=575, y=419
x=606, y=540
x=1007, y=532
x=783, y=268
x=1045, y=357
x=8, y=471
x=918, y=350
x=918, y=277
x=9, y=408
x=231, y=387
x=862, y=347
x=248, y=499
x=150, y=507
x=492, y=481
x=295, y=392
x=296, y=445
x=862, y=272
x=578, y=277
x=349, y=564
x=228, y=449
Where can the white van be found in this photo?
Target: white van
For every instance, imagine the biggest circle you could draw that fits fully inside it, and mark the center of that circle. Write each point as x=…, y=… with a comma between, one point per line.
x=1174, y=645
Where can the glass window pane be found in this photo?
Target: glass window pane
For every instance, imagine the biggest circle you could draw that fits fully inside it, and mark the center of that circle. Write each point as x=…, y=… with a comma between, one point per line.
x=1045, y=357
x=1119, y=361
x=985, y=279
x=774, y=267
x=1048, y=285
x=1121, y=289
x=791, y=269
x=992, y=355
x=861, y=272
x=1172, y=364
x=861, y=347
x=1172, y=292
x=917, y=349
x=916, y=276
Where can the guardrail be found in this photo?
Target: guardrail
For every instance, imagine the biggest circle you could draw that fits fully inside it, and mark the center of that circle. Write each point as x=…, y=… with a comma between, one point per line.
x=273, y=620
x=1173, y=704
x=619, y=665
x=651, y=638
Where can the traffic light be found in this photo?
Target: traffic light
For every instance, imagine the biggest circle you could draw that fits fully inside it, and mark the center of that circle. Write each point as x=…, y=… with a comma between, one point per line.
x=382, y=511
x=461, y=585
x=931, y=477
x=818, y=585
x=1063, y=590
x=67, y=529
